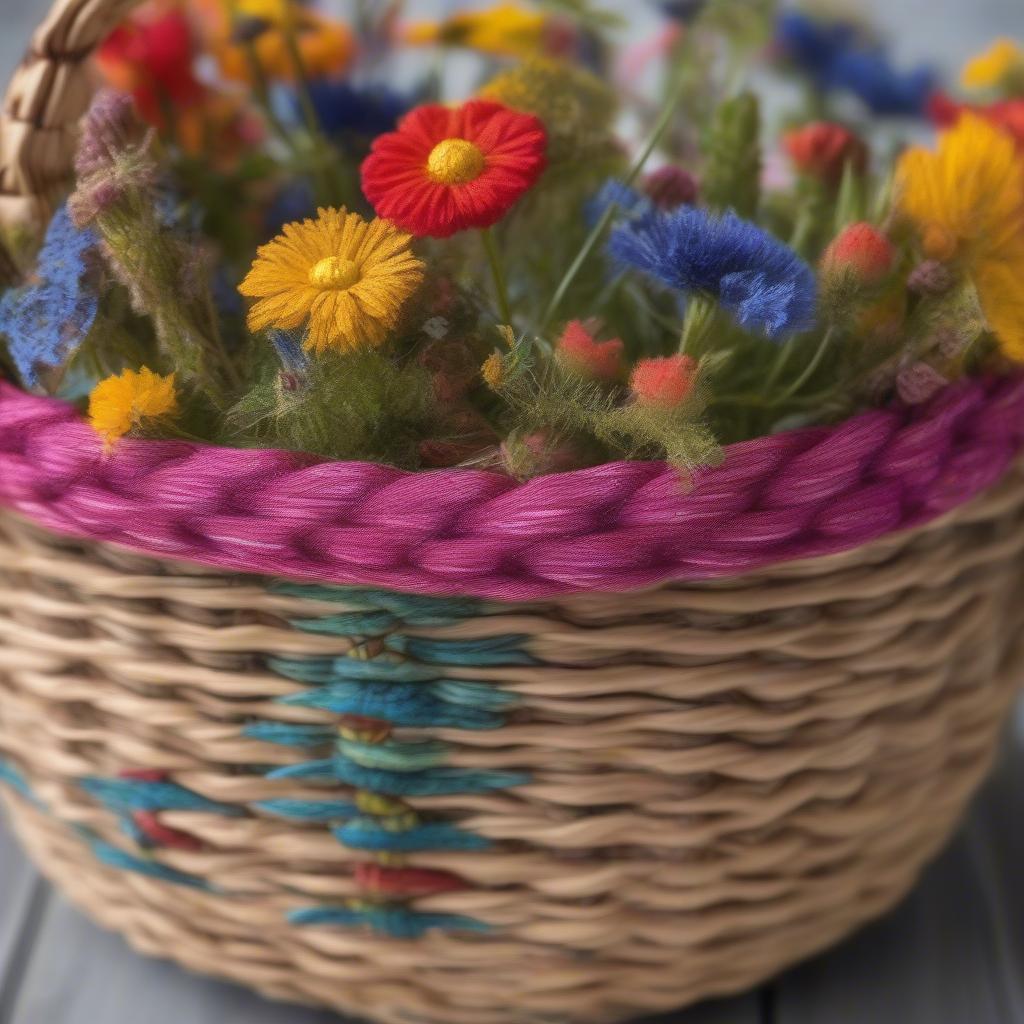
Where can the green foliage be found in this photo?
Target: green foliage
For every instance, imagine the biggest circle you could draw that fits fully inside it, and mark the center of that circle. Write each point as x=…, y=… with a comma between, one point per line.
x=732, y=170
x=362, y=405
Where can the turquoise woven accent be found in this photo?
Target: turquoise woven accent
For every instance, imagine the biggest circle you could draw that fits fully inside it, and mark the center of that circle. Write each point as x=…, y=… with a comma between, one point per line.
x=286, y=735
x=411, y=609
x=486, y=651
x=396, y=921
x=103, y=851
x=115, y=857
x=344, y=669
x=311, y=810
x=371, y=834
x=128, y=795
x=394, y=756
x=442, y=704
x=435, y=782
x=11, y=776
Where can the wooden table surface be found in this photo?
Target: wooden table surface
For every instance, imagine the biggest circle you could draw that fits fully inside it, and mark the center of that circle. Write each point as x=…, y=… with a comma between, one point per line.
x=953, y=953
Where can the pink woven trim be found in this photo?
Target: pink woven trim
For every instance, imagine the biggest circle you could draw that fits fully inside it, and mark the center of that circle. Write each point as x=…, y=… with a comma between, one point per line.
x=617, y=527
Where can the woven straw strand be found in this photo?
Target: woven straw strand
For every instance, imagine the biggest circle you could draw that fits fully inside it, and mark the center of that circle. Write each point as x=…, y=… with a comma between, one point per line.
x=47, y=96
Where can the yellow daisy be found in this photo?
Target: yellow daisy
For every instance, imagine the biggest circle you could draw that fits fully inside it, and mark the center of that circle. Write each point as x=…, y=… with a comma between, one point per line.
x=347, y=278
x=122, y=403
x=504, y=30
x=967, y=203
x=991, y=68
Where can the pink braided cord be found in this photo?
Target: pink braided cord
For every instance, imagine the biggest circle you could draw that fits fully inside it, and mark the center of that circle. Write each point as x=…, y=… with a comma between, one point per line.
x=615, y=527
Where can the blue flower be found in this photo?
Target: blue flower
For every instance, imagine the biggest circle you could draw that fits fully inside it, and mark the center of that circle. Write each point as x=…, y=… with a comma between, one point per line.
x=839, y=56
x=344, y=109
x=288, y=347
x=615, y=193
x=762, y=282
x=45, y=322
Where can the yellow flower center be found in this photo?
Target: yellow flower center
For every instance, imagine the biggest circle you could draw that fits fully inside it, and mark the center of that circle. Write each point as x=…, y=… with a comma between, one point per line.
x=455, y=162
x=334, y=273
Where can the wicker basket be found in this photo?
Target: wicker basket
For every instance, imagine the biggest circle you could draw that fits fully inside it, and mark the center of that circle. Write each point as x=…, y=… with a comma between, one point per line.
x=449, y=772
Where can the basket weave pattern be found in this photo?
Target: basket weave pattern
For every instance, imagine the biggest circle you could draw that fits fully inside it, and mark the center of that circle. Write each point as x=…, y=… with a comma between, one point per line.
x=520, y=797
x=691, y=788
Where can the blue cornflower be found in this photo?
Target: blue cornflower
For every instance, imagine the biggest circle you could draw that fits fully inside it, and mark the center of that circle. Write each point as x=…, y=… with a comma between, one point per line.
x=344, y=109
x=838, y=55
x=46, y=321
x=615, y=193
x=762, y=282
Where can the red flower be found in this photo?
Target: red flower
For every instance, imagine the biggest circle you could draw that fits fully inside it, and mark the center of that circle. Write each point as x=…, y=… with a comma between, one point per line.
x=823, y=149
x=446, y=170
x=578, y=351
x=664, y=382
x=863, y=250
x=152, y=58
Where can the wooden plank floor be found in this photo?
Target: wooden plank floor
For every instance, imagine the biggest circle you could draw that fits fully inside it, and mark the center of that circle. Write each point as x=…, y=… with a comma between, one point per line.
x=953, y=953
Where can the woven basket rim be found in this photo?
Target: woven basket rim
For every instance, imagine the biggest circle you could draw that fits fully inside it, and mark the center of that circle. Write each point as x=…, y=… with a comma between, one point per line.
x=616, y=527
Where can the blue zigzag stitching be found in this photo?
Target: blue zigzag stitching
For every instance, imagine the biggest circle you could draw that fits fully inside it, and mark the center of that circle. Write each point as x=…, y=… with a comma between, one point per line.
x=404, y=684
x=104, y=852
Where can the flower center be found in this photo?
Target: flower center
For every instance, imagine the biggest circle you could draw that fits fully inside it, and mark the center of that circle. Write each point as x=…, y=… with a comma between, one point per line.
x=455, y=162
x=335, y=273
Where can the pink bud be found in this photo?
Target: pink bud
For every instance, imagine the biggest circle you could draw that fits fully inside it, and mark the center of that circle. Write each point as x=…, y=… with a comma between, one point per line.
x=918, y=383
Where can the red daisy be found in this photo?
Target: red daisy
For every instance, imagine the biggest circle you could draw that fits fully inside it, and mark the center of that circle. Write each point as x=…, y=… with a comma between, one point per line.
x=445, y=170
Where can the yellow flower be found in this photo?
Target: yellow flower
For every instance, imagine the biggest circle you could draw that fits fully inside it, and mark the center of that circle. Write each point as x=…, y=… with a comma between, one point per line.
x=326, y=47
x=493, y=371
x=274, y=11
x=348, y=278
x=122, y=403
x=504, y=30
x=967, y=203
x=994, y=66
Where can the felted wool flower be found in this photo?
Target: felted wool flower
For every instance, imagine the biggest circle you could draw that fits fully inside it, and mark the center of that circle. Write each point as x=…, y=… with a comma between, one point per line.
x=824, y=150
x=967, y=202
x=152, y=58
x=1006, y=114
x=445, y=170
x=671, y=186
x=506, y=30
x=862, y=251
x=348, y=278
x=579, y=353
x=763, y=283
x=121, y=404
x=666, y=382
x=365, y=111
x=45, y=322
x=326, y=47
x=1002, y=60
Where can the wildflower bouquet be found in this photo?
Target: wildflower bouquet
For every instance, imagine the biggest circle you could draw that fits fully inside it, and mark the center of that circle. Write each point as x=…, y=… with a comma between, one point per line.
x=267, y=245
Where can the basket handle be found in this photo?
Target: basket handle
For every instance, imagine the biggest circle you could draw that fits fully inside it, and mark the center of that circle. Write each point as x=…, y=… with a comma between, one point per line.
x=48, y=95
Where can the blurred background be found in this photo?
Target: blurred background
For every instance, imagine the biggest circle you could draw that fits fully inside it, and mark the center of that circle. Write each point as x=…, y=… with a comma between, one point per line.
x=944, y=32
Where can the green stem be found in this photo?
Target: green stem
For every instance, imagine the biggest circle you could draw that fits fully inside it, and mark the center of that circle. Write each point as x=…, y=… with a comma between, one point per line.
x=664, y=119
x=498, y=273
x=809, y=370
